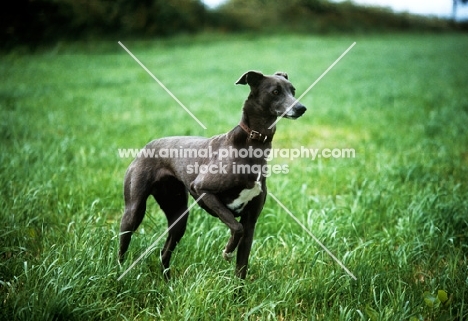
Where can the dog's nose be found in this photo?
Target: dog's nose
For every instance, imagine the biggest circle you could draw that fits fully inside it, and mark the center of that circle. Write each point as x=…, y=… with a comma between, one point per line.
x=300, y=109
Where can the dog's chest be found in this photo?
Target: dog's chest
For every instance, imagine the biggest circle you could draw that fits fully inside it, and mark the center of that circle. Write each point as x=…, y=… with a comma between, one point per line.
x=245, y=196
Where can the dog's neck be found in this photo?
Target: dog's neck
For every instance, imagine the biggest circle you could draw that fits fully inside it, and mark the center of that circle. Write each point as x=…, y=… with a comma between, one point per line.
x=257, y=130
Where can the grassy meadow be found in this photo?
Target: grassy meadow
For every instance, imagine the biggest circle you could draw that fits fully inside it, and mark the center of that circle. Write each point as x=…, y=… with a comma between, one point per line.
x=396, y=214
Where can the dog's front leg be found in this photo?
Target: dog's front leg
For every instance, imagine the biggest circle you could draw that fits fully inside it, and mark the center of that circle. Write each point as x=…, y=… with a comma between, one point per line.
x=248, y=221
x=226, y=216
x=243, y=250
x=212, y=202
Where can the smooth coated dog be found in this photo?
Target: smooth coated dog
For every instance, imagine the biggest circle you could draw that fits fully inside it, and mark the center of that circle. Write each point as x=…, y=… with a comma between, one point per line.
x=231, y=181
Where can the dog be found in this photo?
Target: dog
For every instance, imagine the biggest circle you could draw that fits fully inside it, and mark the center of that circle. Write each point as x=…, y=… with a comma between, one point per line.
x=226, y=192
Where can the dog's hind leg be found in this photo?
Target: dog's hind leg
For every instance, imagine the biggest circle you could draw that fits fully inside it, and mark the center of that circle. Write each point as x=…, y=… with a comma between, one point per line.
x=135, y=206
x=172, y=197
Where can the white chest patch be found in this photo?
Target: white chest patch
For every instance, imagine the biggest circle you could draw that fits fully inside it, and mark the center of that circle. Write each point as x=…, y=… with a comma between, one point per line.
x=244, y=197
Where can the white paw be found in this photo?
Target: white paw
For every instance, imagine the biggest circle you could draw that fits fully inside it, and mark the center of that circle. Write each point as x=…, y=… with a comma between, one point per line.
x=228, y=256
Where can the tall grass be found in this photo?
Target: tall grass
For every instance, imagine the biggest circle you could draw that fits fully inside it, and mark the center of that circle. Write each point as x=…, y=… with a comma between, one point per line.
x=396, y=214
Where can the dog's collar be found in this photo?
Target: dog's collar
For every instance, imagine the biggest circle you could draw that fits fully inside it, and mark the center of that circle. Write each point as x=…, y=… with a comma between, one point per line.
x=253, y=134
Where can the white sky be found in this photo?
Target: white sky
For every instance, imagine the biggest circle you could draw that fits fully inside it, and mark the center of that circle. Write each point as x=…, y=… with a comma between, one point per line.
x=440, y=8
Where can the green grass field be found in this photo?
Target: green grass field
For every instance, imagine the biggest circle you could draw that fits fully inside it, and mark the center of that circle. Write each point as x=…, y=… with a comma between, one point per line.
x=396, y=214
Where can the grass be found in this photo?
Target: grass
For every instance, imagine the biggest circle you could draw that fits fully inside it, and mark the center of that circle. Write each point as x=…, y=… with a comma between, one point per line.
x=396, y=214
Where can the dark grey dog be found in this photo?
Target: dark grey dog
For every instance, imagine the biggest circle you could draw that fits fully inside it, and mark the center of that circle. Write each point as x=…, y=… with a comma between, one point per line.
x=223, y=168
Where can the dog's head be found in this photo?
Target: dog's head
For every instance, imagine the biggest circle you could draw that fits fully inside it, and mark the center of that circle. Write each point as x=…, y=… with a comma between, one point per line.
x=276, y=93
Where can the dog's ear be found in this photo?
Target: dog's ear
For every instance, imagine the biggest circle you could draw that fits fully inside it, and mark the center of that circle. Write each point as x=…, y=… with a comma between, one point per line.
x=250, y=77
x=281, y=74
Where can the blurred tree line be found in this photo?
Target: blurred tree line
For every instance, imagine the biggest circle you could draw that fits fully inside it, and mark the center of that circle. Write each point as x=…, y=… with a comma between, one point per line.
x=321, y=16
x=35, y=22
x=39, y=21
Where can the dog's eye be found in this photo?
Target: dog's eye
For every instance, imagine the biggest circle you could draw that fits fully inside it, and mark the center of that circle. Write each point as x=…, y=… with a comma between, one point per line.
x=276, y=92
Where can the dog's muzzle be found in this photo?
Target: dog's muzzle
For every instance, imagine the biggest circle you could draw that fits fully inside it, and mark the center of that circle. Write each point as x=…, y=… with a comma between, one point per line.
x=296, y=111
